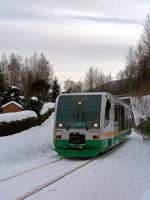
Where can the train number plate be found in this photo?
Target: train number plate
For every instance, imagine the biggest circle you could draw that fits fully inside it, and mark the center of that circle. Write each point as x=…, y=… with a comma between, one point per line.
x=76, y=138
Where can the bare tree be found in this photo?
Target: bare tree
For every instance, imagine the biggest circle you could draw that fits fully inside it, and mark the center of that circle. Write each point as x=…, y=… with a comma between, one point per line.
x=74, y=86
x=44, y=69
x=14, y=70
x=90, y=79
x=94, y=78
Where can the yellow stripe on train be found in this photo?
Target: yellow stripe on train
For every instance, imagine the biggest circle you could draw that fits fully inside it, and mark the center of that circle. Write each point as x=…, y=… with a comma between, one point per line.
x=111, y=133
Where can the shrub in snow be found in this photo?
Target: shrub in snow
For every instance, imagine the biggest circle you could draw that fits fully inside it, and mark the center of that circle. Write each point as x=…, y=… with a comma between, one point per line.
x=9, y=128
x=35, y=104
x=145, y=126
x=12, y=127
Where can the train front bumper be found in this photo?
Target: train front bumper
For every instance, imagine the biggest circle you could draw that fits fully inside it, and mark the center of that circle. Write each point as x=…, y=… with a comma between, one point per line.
x=70, y=153
x=90, y=149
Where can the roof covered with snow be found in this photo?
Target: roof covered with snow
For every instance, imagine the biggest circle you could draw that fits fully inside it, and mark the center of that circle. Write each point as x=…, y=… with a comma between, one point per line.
x=13, y=102
x=14, y=116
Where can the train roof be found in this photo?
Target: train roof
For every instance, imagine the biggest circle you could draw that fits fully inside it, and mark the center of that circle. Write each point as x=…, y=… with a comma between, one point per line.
x=84, y=93
x=95, y=93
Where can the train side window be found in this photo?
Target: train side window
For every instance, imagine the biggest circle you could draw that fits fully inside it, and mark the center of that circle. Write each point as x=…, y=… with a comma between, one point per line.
x=107, y=113
x=116, y=112
x=122, y=116
x=126, y=118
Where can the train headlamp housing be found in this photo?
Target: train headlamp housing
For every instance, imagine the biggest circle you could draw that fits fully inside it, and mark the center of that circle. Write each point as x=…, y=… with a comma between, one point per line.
x=95, y=125
x=60, y=125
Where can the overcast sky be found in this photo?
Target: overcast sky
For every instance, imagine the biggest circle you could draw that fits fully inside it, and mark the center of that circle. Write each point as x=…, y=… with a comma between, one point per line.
x=73, y=34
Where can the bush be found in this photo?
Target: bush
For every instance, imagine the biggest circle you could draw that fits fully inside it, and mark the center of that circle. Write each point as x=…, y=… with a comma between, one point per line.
x=145, y=127
x=9, y=128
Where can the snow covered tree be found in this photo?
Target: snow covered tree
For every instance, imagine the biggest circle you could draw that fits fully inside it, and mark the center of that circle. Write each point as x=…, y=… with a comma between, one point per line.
x=12, y=93
x=35, y=104
x=55, y=89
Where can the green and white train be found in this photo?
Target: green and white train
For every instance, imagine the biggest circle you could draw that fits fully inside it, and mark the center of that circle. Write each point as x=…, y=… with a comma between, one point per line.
x=87, y=124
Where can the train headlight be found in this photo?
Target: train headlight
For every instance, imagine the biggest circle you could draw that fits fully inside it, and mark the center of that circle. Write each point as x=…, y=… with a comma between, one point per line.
x=60, y=125
x=95, y=125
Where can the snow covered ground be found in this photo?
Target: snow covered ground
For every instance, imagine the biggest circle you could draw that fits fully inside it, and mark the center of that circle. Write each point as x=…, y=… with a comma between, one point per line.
x=27, y=146
x=122, y=175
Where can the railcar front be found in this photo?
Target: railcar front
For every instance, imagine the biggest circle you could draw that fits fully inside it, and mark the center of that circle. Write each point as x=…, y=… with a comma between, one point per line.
x=77, y=124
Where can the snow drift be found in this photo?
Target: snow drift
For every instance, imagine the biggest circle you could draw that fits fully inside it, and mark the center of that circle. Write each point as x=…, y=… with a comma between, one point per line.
x=28, y=145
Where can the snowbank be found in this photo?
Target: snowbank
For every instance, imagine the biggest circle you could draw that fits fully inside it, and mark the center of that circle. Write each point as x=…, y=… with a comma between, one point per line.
x=136, y=136
x=140, y=107
x=26, y=146
x=146, y=195
x=14, y=116
x=46, y=107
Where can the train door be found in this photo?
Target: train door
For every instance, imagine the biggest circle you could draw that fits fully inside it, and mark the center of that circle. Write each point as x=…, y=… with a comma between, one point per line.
x=107, y=113
x=116, y=117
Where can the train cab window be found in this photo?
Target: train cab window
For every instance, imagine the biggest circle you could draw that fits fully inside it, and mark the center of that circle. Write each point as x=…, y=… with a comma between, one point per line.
x=107, y=113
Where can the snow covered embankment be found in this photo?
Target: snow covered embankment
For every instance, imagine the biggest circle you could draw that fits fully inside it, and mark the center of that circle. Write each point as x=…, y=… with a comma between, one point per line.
x=28, y=145
x=17, y=116
x=47, y=107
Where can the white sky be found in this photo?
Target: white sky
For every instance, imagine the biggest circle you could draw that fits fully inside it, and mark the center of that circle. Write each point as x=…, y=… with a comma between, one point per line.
x=73, y=34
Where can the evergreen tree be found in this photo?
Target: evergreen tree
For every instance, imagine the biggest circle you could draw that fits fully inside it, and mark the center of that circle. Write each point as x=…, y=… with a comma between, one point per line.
x=40, y=88
x=12, y=93
x=55, y=90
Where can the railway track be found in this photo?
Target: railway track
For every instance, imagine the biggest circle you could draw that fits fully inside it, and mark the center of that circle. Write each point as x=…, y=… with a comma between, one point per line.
x=58, y=178
x=29, y=170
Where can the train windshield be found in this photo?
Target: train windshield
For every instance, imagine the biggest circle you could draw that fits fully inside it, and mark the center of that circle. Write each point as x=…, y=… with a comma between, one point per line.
x=78, y=111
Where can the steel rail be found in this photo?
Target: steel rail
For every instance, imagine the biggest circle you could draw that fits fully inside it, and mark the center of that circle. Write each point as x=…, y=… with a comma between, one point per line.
x=52, y=181
x=29, y=170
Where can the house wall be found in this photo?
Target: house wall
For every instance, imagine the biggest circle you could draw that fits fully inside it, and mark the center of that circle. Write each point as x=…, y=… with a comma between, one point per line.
x=11, y=108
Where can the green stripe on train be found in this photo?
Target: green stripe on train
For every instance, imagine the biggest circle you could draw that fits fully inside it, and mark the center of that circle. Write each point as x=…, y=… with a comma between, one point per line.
x=91, y=148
